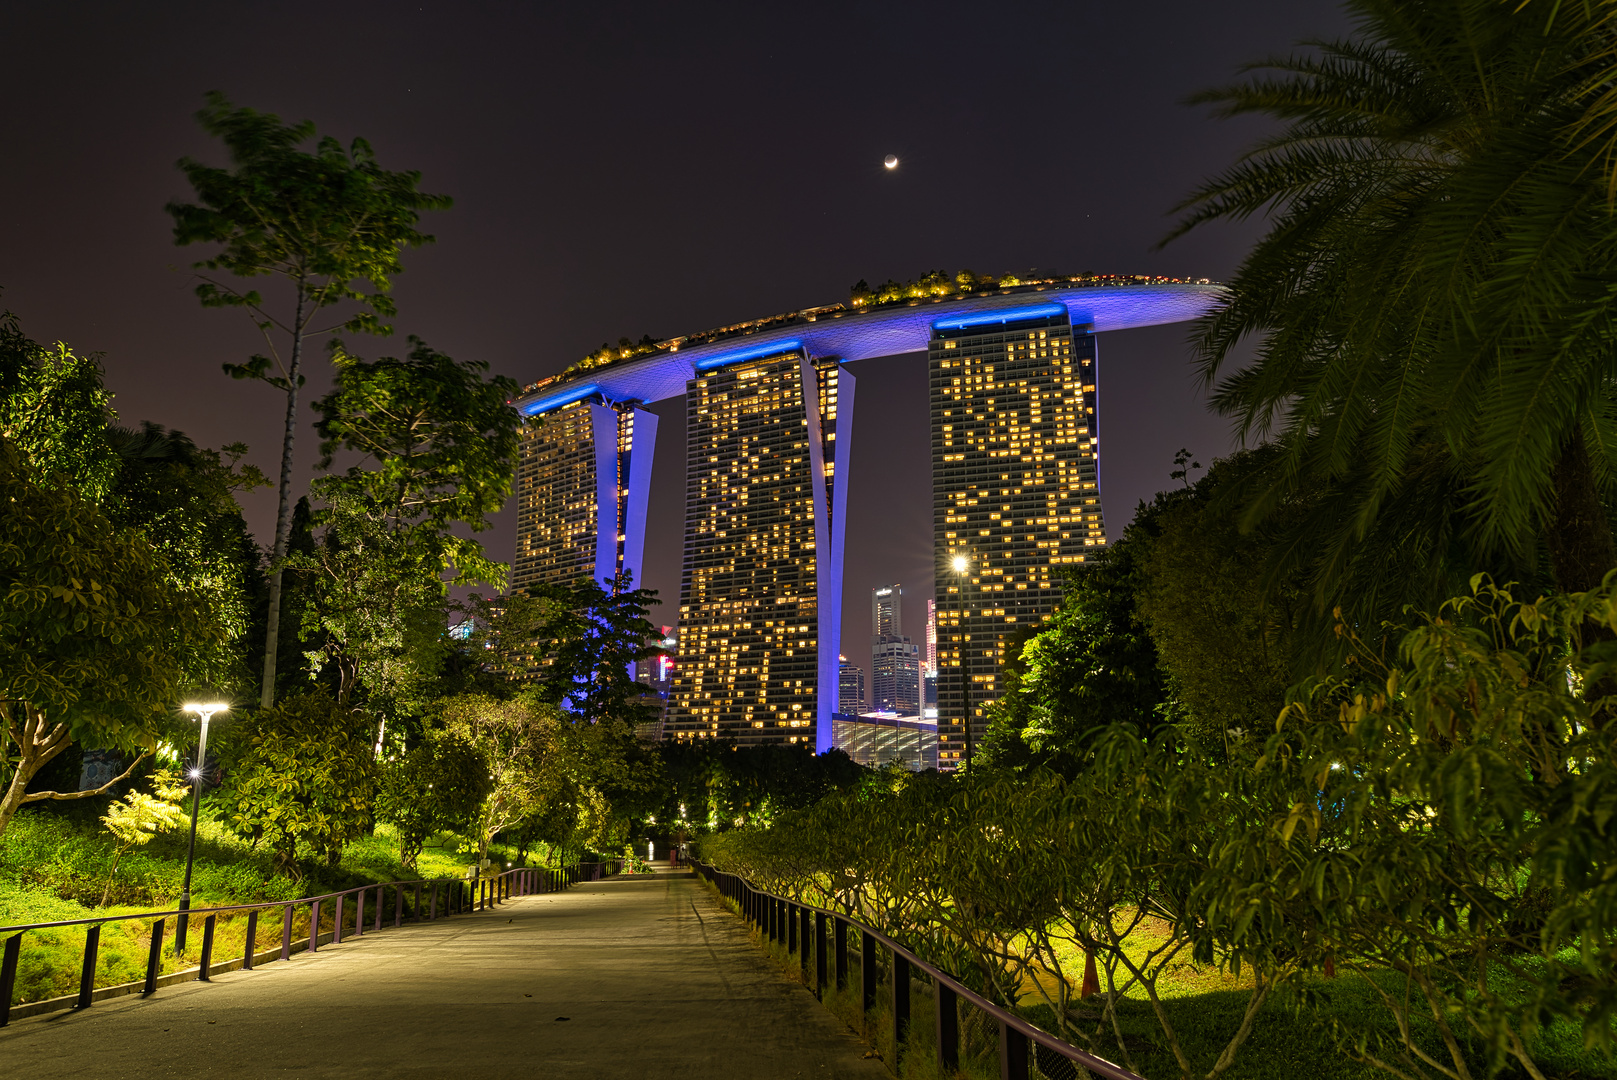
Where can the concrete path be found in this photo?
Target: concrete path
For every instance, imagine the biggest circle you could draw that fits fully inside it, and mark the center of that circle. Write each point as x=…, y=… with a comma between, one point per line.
x=653, y=978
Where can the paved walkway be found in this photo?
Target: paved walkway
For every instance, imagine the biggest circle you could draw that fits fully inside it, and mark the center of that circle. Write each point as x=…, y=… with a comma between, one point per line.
x=653, y=977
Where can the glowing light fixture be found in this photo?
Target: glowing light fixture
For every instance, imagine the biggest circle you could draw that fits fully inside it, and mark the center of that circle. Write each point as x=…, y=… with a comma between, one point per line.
x=960, y=564
x=1004, y=315
x=204, y=712
x=756, y=352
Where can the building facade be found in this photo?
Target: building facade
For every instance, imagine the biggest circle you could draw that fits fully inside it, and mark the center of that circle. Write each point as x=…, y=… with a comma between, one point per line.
x=850, y=687
x=875, y=741
x=758, y=613
x=1015, y=493
x=895, y=676
x=1016, y=501
x=583, y=482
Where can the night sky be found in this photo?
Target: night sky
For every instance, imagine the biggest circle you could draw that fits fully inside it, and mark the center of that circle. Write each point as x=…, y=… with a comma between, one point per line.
x=621, y=170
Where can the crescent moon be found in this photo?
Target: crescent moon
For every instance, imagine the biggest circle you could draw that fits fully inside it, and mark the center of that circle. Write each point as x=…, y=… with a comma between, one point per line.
x=891, y=161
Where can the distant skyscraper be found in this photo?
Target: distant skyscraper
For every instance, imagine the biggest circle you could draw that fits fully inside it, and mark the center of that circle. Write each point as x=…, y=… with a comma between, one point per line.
x=1014, y=449
x=758, y=627
x=850, y=687
x=895, y=676
x=930, y=661
x=887, y=611
x=583, y=481
x=895, y=664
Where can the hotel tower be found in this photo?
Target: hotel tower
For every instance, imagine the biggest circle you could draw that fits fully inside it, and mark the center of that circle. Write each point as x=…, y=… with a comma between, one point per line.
x=1014, y=494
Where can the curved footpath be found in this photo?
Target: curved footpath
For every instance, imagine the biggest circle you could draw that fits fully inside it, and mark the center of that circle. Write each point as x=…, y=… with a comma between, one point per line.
x=654, y=978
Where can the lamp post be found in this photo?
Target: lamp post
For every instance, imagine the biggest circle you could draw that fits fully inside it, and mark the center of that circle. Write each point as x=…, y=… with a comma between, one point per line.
x=204, y=713
x=961, y=566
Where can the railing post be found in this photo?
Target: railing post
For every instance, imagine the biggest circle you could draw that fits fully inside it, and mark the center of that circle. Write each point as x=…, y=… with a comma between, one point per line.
x=378, y=917
x=252, y=938
x=207, y=949
x=432, y=912
x=868, y=972
x=398, y=906
x=336, y=920
x=842, y=953
x=92, y=946
x=1013, y=1061
x=901, y=1003
x=819, y=953
x=314, y=926
x=791, y=928
x=154, y=960
x=286, y=932
x=8, y=976
x=803, y=957
x=948, y=1029
x=359, y=913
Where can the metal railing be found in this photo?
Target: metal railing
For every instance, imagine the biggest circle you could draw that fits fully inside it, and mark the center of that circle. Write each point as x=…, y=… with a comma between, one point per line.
x=824, y=956
x=414, y=901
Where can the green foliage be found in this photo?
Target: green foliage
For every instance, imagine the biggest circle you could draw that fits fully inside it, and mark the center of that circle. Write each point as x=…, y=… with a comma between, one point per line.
x=439, y=785
x=1228, y=639
x=1433, y=320
x=575, y=642
x=437, y=442
x=1093, y=664
x=436, y=445
x=54, y=410
x=373, y=605
x=182, y=499
x=138, y=817
x=307, y=784
x=713, y=785
x=94, y=636
x=324, y=220
x=518, y=744
x=608, y=354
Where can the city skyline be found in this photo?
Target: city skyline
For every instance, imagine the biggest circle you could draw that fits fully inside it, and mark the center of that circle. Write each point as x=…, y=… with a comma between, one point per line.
x=769, y=426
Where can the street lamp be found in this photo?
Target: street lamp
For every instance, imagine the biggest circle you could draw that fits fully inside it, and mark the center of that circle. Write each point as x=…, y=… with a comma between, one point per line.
x=204, y=713
x=962, y=566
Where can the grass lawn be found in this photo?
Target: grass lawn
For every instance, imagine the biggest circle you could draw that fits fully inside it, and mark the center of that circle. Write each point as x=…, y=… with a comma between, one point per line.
x=55, y=867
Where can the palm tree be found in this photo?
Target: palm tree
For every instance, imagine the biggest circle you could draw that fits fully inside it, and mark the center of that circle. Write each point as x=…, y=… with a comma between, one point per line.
x=1434, y=300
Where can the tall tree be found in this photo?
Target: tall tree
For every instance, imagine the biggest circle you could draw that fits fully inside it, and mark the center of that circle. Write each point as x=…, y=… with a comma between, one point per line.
x=1433, y=299
x=436, y=445
x=325, y=222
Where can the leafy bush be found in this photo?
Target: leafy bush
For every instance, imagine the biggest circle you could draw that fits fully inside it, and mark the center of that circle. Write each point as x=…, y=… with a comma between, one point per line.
x=307, y=783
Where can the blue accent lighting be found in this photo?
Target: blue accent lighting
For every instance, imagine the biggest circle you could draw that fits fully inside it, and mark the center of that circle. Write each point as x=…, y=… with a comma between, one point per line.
x=989, y=318
x=560, y=398
x=771, y=349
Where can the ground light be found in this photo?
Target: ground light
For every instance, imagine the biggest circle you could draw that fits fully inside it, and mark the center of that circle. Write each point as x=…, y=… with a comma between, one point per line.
x=204, y=713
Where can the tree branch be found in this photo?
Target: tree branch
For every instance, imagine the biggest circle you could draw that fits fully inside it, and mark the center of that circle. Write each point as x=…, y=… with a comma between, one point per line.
x=58, y=796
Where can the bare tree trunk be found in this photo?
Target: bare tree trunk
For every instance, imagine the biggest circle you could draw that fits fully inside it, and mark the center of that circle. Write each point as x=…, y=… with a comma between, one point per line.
x=37, y=743
x=1579, y=537
x=283, y=514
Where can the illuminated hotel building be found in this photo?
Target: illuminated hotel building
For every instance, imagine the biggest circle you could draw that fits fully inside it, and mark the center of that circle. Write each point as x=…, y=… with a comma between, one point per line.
x=1014, y=491
x=1013, y=441
x=583, y=481
x=759, y=613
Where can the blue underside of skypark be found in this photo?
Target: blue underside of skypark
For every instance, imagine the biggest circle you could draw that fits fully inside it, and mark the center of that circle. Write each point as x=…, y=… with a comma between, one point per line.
x=886, y=331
